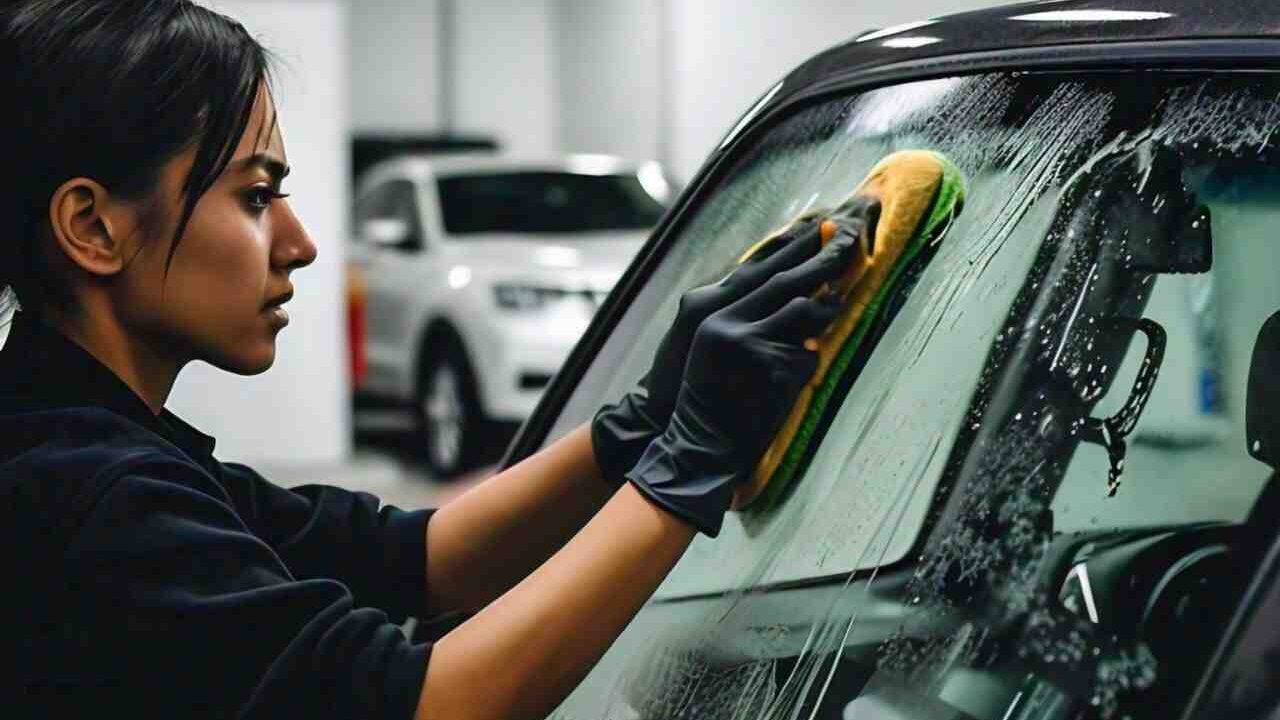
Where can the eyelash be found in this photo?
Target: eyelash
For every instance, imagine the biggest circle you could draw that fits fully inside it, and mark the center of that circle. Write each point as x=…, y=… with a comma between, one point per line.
x=258, y=192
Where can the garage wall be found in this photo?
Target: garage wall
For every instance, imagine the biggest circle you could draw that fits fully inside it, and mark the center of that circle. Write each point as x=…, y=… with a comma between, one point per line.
x=717, y=57
x=297, y=411
x=395, y=65
x=503, y=72
x=610, y=60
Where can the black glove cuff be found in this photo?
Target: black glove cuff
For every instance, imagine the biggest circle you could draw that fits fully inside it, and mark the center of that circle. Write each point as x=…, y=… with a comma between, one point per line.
x=619, y=435
x=686, y=480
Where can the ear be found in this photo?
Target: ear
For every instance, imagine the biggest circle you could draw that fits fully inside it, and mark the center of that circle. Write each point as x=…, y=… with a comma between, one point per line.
x=90, y=227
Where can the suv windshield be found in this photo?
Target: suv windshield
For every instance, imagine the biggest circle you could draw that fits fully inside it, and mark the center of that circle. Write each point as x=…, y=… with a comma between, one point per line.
x=954, y=547
x=546, y=202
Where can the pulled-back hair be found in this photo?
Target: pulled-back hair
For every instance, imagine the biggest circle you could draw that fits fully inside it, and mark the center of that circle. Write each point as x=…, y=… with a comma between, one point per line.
x=112, y=90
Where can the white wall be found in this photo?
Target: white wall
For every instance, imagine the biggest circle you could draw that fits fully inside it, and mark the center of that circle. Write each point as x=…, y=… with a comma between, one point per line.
x=609, y=65
x=503, y=72
x=722, y=55
x=296, y=412
x=395, y=65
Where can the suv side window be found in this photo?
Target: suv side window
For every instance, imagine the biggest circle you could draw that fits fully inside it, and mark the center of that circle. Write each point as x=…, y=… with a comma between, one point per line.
x=952, y=550
x=392, y=200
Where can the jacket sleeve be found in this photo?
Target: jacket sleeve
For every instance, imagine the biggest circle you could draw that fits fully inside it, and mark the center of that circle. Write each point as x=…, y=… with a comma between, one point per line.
x=320, y=531
x=180, y=611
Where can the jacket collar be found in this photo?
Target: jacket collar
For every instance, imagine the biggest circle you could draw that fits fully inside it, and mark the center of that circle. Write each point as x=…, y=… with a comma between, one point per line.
x=42, y=368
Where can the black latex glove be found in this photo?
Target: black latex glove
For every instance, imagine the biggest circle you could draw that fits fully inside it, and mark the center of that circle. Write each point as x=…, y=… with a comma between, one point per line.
x=745, y=368
x=620, y=432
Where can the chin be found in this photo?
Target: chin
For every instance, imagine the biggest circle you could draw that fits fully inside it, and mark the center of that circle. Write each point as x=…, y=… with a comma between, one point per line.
x=247, y=363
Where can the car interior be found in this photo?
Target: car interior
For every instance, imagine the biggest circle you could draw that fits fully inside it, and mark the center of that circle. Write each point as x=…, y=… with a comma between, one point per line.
x=977, y=536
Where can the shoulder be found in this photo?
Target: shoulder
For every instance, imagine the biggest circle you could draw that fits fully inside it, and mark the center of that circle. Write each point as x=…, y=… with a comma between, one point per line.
x=62, y=461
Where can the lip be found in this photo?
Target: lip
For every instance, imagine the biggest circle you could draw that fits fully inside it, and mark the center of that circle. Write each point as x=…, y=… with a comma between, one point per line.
x=279, y=300
x=278, y=316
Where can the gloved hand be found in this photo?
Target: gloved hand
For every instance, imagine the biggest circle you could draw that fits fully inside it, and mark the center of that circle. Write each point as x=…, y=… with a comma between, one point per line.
x=745, y=367
x=620, y=432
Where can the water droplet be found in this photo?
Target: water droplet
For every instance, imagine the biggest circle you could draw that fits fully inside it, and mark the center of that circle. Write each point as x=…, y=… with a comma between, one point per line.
x=1018, y=416
x=1257, y=445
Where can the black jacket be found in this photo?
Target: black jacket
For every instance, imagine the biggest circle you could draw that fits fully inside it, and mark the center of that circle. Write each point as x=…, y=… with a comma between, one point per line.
x=144, y=578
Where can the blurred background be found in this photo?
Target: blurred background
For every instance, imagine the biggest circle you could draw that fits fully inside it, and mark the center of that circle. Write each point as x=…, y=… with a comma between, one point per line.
x=477, y=174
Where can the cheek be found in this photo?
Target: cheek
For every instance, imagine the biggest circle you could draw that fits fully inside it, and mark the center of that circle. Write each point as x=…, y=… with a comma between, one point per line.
x=222, y=265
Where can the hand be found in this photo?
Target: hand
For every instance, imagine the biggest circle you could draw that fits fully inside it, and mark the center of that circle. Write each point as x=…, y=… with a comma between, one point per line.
x=746, y=365
x=620, y=432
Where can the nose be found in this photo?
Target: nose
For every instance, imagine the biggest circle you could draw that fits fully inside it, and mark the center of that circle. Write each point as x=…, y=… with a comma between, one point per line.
x=291, y=247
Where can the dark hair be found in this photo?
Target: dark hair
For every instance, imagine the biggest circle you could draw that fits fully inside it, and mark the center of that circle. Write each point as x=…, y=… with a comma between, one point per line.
x=113, y=90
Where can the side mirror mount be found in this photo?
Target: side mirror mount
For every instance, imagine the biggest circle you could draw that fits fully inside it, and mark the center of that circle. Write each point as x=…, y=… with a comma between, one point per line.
x=386, y=232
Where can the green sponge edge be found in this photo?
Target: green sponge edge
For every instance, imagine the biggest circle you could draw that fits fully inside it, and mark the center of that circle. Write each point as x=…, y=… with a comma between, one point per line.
x=947, y=204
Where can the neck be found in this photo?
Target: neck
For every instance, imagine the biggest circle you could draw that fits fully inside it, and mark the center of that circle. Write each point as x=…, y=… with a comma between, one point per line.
x=150, y=374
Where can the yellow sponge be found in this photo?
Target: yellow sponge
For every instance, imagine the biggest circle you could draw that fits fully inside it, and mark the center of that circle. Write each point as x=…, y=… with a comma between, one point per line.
x=920, y=192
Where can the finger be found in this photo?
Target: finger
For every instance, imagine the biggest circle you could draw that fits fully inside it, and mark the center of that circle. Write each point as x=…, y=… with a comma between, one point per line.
x=799, y=320
x=797, y=368
x=861, y=215
x=799, y=281
x=795, y=246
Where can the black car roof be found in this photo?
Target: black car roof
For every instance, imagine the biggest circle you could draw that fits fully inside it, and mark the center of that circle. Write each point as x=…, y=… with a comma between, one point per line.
x=1055, y=22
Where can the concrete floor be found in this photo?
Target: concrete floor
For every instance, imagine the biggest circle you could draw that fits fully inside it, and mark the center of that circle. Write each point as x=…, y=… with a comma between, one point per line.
x=385, y=463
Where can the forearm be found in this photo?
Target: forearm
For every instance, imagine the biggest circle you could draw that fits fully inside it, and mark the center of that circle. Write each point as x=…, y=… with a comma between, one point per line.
x=523, y=654
x=484, y=542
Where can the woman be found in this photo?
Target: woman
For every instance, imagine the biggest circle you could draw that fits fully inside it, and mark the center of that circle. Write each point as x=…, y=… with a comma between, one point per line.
x=148, y=229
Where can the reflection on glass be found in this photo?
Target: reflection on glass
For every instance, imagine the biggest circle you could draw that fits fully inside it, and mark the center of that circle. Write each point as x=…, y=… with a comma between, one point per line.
x=896, y=29
x=1092, y=16
x=911, y=42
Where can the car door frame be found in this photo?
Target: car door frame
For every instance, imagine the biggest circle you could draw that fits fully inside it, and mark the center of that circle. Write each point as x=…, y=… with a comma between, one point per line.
x=812, y=84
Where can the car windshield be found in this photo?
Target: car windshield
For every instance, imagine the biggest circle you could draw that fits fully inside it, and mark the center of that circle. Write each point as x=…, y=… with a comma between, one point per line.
x=1037, y=459
x=546, y=202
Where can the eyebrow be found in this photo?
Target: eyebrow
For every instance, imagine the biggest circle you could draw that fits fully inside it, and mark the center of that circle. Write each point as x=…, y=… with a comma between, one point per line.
x=274, y=166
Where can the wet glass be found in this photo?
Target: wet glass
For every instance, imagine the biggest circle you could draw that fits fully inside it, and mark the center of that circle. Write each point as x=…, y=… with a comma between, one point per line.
x=1025, y=500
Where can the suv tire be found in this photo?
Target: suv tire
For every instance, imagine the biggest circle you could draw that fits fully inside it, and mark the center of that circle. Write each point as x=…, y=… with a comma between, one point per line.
x=451, y=426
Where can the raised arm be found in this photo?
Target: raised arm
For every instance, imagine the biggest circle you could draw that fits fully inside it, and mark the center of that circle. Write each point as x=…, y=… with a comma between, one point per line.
x=490, y=538
x=523, y=654
x=493, y=536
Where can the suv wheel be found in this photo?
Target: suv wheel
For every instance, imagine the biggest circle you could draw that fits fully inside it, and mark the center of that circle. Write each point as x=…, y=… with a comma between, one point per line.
x=450, y=422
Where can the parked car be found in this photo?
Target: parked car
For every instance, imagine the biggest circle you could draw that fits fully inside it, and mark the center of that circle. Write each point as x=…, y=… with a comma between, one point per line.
x=1046, y=489
x=472, y=277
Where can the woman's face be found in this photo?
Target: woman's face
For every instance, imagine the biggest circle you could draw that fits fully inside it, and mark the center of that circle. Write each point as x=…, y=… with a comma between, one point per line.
x=220, y=299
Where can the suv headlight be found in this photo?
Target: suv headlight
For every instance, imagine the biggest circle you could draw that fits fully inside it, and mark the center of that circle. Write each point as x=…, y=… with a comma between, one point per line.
x=526, y=297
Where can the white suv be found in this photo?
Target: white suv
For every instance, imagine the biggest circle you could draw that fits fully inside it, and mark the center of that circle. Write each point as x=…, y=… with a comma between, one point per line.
x=478, y=276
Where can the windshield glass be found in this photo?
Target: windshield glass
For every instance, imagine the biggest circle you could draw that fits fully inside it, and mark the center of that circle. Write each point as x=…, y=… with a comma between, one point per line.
x=954, y=547
x=546, y=202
